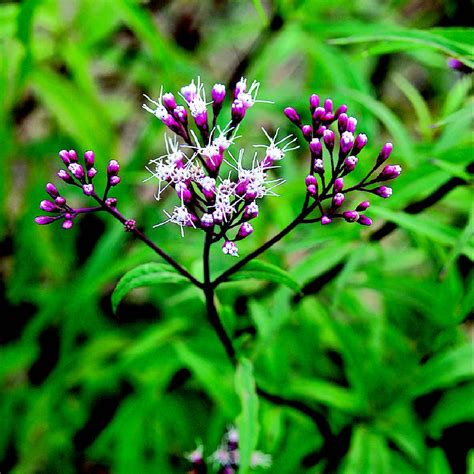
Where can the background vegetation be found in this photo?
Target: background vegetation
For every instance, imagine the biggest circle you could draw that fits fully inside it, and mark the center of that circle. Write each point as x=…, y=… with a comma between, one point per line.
x=379, y=338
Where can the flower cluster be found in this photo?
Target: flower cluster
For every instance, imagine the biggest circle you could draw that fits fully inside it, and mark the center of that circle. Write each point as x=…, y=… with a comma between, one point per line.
x=81, y=176
x=226, y=457
x=327, y=174
x=218, y=193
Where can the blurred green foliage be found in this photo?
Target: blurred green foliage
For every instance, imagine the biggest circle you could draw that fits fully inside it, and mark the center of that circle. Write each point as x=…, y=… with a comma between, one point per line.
x=383, y=349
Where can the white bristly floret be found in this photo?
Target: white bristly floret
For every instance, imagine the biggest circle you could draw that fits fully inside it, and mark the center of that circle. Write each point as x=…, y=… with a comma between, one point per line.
x=180, y=216
x=274, y=150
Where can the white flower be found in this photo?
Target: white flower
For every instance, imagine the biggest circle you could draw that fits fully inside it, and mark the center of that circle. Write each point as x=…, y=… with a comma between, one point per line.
x=180, y=216
x=229, y=248
x=160, y=110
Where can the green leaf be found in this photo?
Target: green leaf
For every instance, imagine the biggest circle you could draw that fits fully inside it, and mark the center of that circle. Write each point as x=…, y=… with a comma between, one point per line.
x=266, y=271
x=148, y=274
x=437, y=462
x=247, y=421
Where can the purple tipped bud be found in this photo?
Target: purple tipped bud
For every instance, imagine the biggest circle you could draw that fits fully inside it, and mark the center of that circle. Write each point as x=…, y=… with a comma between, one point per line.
x=251, y=211
x=338, y=185
x=318, y=166
x=363, y=206
x=383, y=191
x=351, y=124
x=316, y=148
x=181, y=114
x=113, y=167
x=325, y=220
x=310, y=179
x=292, y=116
x=328, y=106
x=51, y=190
x=351, y=216
x=384, y=153
x=229, y=248
x=359, y=143
x=60, y=201
x=458, y=65
x=338, y=199
x=73, y=156
x=313, y=102
x=218, y=94
x=67, y=224
x=341, y=110
x=88, y=189
x=240, y=87
x=342, y=123
x=390, y=172
x=114, y=180
x=183, y=192
x=347, y=141
x=111, y=202
x=48, y=206
x=77, y=170
x=312, y=189
x=44, y=220
x=130, y=225
x=64, y=155
x=244, y=230
x=89, y=159
x=364, y=220
x=207, y=221
x=307, y=132
x=320, y=131
x=91, y=173
x=318, y=114
x=65, y=176
x=169, y=102
x=328, y=137
x=350, y=163
x=238, y=110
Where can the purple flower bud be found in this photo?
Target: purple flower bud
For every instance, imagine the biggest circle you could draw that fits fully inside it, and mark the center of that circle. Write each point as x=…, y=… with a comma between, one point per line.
x=48, y=206
x=237, y=111
x=351, y=124
x=73, y=156
x=207, y=221
x=316, y=148
x=169, y=102
x=60, y=201
x=91, y=173
x=51, y=190
x=130, y=225
x=111, y=202
x=350, y=163
x=201, y=120
x=307, y=131
x=313, y=102
x=318, y=114
x=114, y=180
x=312, y=189
x=240, y=87
x=113, y=167
x=325, y=220
x=347, y=141
x=318, y=166
x=320, y=131
x=363, y=206
x=251, y=211
x=359, y=143
x=67, y=224
x=292, y=116
x=342, y=123
x=384, y=153
x=458, y=65
x=181, y=114
x=44, y=220
x=350, y=216
x=390, y=172
x=364, y=220
x=64, y=155
x=383, y=191
x=183, y=192
x=338, y=185
x=77, y=170
x=89, y=159
x=65, y=176
x=218, y=94
x=244, y=231
x=338, y=199
x=229, y=248
x=328, y=137
x=328, y=106
x=310, y=179
x=88, y=189
x=341, y=110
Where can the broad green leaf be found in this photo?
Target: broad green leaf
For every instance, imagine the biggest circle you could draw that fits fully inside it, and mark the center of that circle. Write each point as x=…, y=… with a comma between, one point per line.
x=438, y=462
x=247, y=421
x=149, y=274
x=268, y=272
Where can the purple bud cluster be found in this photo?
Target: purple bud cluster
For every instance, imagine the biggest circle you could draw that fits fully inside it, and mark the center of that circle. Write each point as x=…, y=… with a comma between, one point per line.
x=80, y=175
x=325, y=181
x=226, y=458
x=220, y=205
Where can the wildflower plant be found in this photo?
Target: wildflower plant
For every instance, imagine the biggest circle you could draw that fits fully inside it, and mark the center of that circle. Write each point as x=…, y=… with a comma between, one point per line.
x=219, y=187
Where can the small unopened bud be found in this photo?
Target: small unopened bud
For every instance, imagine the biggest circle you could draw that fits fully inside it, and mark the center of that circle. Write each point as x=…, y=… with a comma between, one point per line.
x=89, y=159
x=44, y=220
x=77, y=170
x=51, y=190
x=338, y=185
x=114, y=180
x=363, y=206
x=347, y=141
x=91, y=173
x=316, y=148
x=328, y=137
x=292, y=116
x=312, y=189
x=390, y=172
x=65, y=176
x=328, y=106
x=48, y=206
x=359, y=143
x=350, y=163
x=113, y=167
x=313, y=102
x=218, y=94
x=325, y=220
x=72, y=156
x=251, y=211
x=364, y=220
x=318, y=114
x=350, y=216
x=351, y=124
x=181, y=114
x=229, y=248
x=130, y=225
x=338, y=199
x=64, y=155
x=384, y=153
x=67, y=224
x=169, y=102
x=341, y=110
x=307, y=131
x=207, y=221
x=342, y=123
x=310, y=179
x=60, y=201
x=111, y=202
x=88, y=189
x=318, y=166
x=237, y=111
x=244, y=230
x=383, y=191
